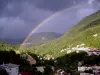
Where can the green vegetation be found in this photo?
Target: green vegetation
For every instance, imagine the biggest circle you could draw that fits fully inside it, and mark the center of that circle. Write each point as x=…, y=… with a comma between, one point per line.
x=83, y=32
x=63, y=62
x=5, y=46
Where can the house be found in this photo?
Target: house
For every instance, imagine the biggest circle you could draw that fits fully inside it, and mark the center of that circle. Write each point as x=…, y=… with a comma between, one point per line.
x=89, y=70
x=95, y=51
x=31, y=59
x=40, y=68
x=12, y=69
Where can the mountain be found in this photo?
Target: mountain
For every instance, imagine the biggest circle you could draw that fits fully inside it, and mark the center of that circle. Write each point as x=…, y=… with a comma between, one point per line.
x=87, y=32
x=14, y=41
x=42, y=37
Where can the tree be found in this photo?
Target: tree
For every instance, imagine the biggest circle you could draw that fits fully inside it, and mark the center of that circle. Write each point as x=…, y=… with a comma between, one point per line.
x=48, y=70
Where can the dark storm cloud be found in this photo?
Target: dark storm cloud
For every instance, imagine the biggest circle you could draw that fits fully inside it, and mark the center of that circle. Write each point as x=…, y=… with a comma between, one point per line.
x=19, y=17
x=56, y=5
x=14, y=7
x=4, y=4
x=11, y=7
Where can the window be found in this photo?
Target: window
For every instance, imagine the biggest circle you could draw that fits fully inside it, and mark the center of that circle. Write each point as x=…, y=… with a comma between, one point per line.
x=9, y=69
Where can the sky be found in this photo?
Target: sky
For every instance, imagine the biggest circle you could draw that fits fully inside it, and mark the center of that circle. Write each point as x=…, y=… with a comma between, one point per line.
x=19, y=17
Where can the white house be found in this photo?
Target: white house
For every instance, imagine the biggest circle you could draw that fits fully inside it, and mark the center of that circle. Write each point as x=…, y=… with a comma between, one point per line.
x=95, y=69
x=40, y=68
x=95, y=51
x=12, y=69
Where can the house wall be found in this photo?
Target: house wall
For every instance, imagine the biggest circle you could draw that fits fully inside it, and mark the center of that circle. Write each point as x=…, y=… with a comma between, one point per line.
x=13, y=71
x=82, y=68
x=8, y=70
x=95, y=53
x=41, y=69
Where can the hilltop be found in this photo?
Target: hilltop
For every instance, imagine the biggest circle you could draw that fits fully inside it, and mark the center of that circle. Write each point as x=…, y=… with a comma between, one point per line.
x=40, y=38
x=87, y=31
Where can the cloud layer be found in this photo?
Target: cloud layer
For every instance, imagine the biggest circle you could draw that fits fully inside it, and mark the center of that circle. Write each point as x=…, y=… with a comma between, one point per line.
x=19, y=17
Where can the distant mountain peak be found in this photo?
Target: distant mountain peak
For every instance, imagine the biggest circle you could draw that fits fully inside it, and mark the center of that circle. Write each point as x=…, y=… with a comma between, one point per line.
x=41, y=37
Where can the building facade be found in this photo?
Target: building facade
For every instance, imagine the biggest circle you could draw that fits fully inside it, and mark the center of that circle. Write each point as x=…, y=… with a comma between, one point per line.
x=12, y=69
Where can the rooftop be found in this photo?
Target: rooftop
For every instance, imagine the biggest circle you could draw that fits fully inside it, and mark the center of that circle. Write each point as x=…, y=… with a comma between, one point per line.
x=9, y=65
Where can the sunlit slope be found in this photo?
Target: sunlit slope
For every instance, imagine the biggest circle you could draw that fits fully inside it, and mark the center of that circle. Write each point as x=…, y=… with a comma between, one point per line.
x=86, y=31
x=84, y=23
x=6, y=47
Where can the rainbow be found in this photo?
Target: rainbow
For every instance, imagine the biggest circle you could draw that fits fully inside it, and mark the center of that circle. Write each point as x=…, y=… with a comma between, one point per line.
x=47, y=19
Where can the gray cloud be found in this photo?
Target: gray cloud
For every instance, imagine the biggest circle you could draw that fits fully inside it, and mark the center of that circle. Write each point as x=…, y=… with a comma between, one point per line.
x=19, y=17
x=56, y=5
x=66, y=19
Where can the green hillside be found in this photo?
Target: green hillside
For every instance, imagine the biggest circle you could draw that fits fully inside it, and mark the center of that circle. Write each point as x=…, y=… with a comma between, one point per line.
x=86, y=31
x=6, y=47
x=91, y=19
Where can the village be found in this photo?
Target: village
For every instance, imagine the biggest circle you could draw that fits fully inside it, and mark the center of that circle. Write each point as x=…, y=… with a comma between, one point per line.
x=83, y=69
